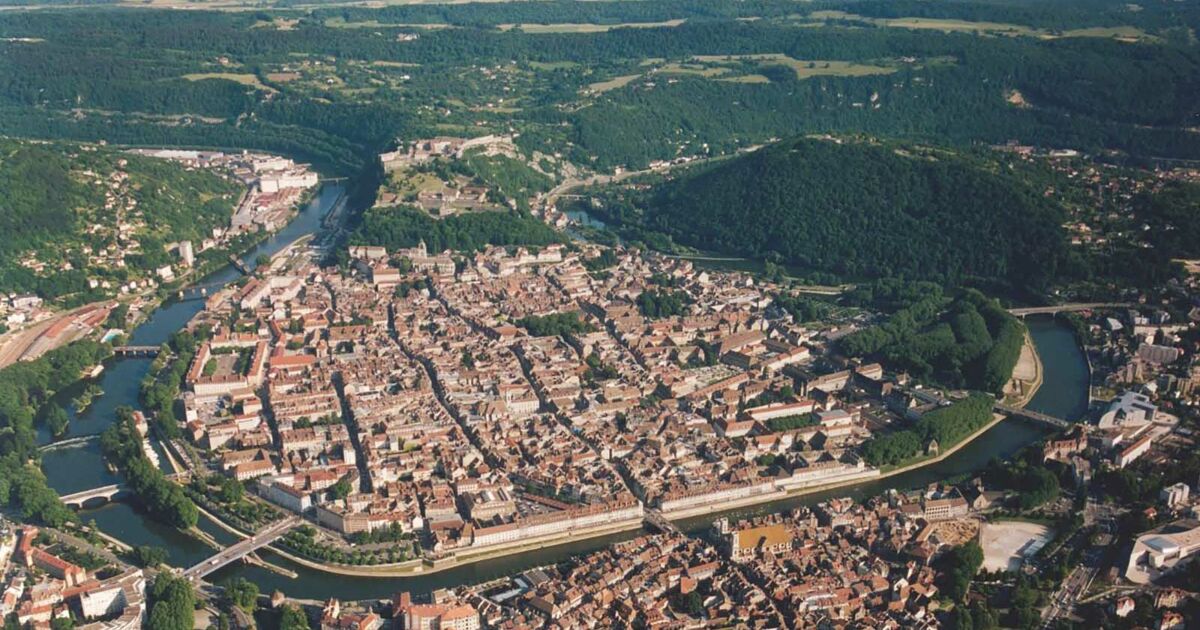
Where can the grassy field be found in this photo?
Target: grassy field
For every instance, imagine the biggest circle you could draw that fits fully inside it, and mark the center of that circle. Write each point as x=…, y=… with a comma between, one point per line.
x=243, y=78
x=282, y=24
x=613, y=83
x=733, y=68
x=553, y=65
x=395, y=64
x=1124, y=33
x=804, y=68
x=586, y=28
x=747, y=78
x=1127, y=33
x=340, y=22
x=692, y=69
x=405, y=182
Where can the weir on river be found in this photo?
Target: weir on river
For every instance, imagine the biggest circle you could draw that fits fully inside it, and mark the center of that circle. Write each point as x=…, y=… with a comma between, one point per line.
x=1063, y=394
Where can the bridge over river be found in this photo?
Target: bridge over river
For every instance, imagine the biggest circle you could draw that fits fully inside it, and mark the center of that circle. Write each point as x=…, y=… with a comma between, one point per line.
x=235, y=552
x=136, y=351
x=108, y=493
x=78, y=500
x=1066, y=308
x=655, y=519
x=1032, y=415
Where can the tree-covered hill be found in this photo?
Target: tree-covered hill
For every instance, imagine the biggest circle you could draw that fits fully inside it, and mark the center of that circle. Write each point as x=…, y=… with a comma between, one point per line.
x=71, y=214
x=863, y=210
x=336, y=84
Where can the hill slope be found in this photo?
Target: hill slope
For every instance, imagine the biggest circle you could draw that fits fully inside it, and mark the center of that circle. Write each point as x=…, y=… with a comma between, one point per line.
x=858, y=209
x=71, y=214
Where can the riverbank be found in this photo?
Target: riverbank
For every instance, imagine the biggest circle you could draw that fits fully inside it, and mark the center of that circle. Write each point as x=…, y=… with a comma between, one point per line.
x=38, y=337
x=767, y=499
x=415, y=568
x=1028, y=372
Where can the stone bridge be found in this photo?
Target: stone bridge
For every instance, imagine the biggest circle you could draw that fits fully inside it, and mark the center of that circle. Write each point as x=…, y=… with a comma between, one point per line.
x=655, y=519
x=81, y=499
x=136, y=351
x=78, y=500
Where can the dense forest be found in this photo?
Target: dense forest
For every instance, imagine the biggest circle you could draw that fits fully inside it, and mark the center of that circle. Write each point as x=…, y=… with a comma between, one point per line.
x=172, y=603
x=859, y=209
x=161, y=386
x=28, y=386
x=1169, y=219
x=237, y=79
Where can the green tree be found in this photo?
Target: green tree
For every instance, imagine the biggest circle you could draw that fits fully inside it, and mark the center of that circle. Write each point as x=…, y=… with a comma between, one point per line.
x=958, y=568
x=172, y=604
x=121, y=444
x=56, y=420
x=242, y=593
x=293, y=618
x=148, y=556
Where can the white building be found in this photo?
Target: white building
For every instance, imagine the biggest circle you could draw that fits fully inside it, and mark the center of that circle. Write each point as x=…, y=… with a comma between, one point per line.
x=1127, y=456
x=1129, y=409
x=123, y=595
x=274, y=182
x=1175, y=495
x=1155, y=554
x=186, y=253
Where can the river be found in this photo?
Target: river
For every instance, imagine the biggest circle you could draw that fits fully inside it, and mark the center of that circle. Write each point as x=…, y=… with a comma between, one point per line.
x=1063, y=393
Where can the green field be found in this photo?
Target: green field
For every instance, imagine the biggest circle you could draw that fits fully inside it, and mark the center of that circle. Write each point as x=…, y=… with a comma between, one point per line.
x=243, y=78
x=1126, y=33
x=613, y=83
x=340, y=22
x=804, y=68
x=553, y=65
x=747, y=78
x=586, y=28
x=692, y=69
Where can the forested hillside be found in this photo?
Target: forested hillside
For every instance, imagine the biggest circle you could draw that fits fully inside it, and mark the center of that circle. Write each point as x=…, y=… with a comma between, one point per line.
x=404, y=227
x=63, y=207
x=858, y=210
x=335, y=85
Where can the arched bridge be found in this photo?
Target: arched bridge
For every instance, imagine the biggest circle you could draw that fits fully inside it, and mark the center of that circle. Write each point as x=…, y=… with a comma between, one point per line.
x=1066, y=308
x=655, y=519
x=236, y=552
x=77, y=500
